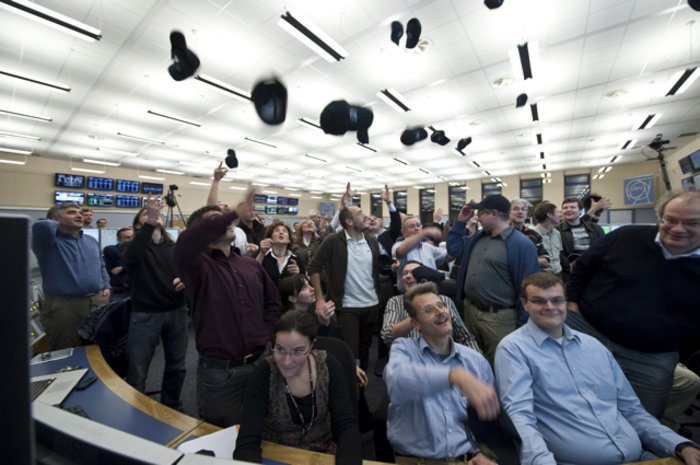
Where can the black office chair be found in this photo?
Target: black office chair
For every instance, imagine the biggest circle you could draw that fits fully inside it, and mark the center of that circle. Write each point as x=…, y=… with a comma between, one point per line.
x=108, y=327
x=342, y=352
x=498, y=437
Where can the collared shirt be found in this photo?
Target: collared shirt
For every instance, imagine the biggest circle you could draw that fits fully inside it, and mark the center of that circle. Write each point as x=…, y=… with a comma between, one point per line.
x=428, y=417
x=669, y=256
x=359, y=284
x=70, y=266
x=235, y=304
x=425, y=253
x=571, y=403
x=396, y=312
x=551, y=240
x=488, y=280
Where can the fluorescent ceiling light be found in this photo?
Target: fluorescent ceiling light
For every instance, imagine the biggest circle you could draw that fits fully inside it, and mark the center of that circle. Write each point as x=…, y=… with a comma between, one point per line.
x=627, y=145
x=290, y=189
x=598, y=176
x=48, y=119
x=647, y=121
x=459, y=152
x=395, y=100
x=51, y=18
x=615, y=158
x=607, y=169
x=197, y=183
x=309, y=122
x=18, y=136
x=541, y=155
x=538, y=139
x=152, y=178
x=294, y=195
x=403, y=162
x=161, y=170
x=259, y=184
x=353, y=169
x=425, y=171
x=118, y=152
x=174, y=118
x=682, y=80
x=475, y=164
x=250, y=139
x=312, y=37
x=269, y=192
x=12, y=162
x=237, y=188
x=313, y=157
x=525, y=59
x=86, y=170
x=316, y=197
x=534, y=112
x=24, y=77
x=100, y=162
x=17, y=151
x=141, y=138
x=222, y=86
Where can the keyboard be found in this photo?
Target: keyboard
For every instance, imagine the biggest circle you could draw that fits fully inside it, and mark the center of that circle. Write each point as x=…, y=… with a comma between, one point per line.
x=38, y=387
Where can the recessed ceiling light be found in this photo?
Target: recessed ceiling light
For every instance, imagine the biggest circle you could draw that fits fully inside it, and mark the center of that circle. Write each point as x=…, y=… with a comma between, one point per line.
x=152, y=178
x=100, y=162
x=86, y=170
x=12, y=162
x=161, y=170
x=18, y=136
x=47, y=119
x=17, y=151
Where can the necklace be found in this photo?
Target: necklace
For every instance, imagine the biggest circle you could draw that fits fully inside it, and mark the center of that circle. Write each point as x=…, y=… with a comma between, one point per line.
x=305, y=425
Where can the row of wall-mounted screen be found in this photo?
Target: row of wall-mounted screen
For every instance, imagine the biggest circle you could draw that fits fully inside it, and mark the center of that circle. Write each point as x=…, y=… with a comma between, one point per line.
x=690, y=163
x=275, y=200
x=75, y=181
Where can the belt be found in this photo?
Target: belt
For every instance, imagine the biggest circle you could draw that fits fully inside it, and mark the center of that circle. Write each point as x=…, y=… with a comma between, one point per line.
x=73, y=296
x=218, y=363
x=489, y=308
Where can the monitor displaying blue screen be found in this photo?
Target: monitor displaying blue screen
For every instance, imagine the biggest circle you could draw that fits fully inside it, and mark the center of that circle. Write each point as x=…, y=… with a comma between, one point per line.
x=128, y=186
x=100, y=184
x=128, y=201
x=74, y=181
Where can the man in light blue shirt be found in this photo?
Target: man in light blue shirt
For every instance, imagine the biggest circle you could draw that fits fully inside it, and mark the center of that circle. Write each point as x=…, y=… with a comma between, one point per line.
x=73, y=275
x=431, y=380
x=567, y=396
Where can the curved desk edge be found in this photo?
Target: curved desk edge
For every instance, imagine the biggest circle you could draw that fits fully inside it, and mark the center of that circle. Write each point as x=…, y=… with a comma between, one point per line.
x=137, y=399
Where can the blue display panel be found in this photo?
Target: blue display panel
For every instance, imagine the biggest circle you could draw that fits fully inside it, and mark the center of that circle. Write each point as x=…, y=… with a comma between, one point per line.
x=128, y=186
x=128, y=201
x=260, y=198
x=100, y=184
x=293, y=201
x=282, y=201
x=100, y=200
x=151, y=188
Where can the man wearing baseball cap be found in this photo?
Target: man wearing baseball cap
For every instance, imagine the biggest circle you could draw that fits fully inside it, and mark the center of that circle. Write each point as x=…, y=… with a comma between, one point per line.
x=494, y=262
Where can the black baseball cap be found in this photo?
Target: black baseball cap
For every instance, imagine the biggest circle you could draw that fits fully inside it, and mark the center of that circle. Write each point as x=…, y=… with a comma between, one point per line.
x=493, y=202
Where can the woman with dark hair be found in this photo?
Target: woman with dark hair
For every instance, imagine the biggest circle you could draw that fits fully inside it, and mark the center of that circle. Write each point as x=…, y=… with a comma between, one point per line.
x=158, y=309
x=299, y=398
x=276, y=255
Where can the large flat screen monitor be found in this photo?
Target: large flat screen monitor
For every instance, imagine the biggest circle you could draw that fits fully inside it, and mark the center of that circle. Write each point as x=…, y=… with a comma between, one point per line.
x=128, y=201
x=74, y=181
x=100, y=200
x=128, y=186
x=151, y=188
x=695, y=160
x=100, y=184
x=61, y=197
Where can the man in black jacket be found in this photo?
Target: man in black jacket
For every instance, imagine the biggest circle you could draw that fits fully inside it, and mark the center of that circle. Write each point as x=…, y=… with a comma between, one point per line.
x=158, y=305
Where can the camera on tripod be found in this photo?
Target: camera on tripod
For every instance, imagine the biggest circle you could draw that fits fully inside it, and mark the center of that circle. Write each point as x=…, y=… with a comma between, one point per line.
x=170, y=199
x=658, y=143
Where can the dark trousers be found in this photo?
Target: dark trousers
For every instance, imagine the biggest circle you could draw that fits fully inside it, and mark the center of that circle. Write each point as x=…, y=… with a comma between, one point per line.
x=220, y=392
x=356, y=326
x=146, y=329
x=60, y=316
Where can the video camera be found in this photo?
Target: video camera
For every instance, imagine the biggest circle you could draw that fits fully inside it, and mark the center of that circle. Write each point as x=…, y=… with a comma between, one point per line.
x=658, y=143
x=170, y=199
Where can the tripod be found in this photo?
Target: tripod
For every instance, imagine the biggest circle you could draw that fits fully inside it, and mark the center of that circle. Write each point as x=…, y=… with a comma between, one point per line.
x=171, y=202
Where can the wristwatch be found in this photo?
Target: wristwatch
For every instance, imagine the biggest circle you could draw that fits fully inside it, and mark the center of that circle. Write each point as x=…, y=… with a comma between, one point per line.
x=683, y=445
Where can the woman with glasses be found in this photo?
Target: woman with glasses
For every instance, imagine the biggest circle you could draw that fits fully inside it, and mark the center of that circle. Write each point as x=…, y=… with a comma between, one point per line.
x=299, y=398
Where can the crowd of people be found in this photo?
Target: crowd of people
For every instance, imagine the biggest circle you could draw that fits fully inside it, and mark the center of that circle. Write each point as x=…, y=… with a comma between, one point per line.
x=575, y=336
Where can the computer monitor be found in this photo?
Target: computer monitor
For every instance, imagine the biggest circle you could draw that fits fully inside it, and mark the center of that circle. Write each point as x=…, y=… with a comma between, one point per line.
x=108, y=236
x=65, y=438
x=18, y=434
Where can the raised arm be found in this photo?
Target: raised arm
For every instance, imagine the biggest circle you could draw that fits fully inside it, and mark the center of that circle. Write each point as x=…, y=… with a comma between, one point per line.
x=199, y=235
x=219, y=173
x=458, y=232
x=43, y=236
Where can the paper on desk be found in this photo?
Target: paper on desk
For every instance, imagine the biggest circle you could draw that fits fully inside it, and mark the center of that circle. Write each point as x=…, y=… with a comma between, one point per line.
x=51, y=356
x=222, y=443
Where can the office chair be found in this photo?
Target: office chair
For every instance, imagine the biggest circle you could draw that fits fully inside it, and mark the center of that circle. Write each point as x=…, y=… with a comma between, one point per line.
x=342, y=352
x=499, y=437
x=108, y=327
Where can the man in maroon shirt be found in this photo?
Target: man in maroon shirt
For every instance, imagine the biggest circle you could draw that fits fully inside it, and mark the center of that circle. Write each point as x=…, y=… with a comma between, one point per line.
x=234, y=307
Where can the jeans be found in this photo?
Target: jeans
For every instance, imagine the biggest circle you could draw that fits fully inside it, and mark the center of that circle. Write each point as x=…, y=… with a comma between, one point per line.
x=220, y=392
x=650, y=374
x=146, y=329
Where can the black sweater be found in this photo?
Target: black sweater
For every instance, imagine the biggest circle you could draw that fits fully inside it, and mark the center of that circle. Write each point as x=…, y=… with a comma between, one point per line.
x=344, y=424
x=151, y=271
x=629, y=292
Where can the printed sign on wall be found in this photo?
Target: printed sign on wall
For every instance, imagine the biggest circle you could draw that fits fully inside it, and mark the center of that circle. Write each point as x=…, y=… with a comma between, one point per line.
x=639, y=190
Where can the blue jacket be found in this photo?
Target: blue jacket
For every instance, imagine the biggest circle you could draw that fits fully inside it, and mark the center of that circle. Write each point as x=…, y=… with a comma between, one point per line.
x=521, y=252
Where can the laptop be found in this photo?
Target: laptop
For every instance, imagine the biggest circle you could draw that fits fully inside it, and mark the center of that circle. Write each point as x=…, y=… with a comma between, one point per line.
x=54, y=388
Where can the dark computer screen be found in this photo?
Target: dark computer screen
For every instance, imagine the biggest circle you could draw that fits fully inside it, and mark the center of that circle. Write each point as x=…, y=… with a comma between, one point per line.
x=282, y=201
x=293, y=201
x=151, y=188
x=69, y=180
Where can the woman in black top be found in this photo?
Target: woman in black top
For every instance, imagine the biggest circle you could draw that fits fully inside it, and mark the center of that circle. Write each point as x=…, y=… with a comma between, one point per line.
x=299, y=397
x=276, y=255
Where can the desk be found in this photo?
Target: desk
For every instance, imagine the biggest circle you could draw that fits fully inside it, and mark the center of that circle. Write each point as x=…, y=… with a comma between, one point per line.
x=112, y=402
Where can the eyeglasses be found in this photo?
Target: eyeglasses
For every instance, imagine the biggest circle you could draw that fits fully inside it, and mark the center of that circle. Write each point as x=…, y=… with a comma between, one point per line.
x=431, y=308
x=559, y=300
x=281, y=353
x=672, y=222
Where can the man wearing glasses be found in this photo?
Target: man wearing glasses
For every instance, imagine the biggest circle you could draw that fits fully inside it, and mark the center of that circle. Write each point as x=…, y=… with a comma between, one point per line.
x=494, y=262
x=431, y=381
x=566, y=395
x=636, y=290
